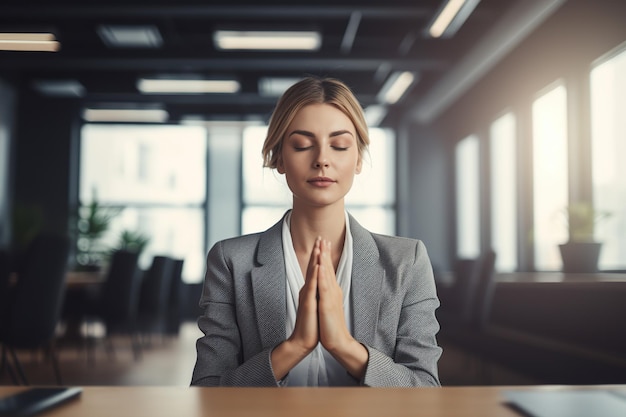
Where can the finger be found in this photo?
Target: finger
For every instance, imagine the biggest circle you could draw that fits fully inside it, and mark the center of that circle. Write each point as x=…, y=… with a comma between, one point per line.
x=314, y=258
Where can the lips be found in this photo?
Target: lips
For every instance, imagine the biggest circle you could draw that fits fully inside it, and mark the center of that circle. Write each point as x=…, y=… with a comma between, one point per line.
x=321, y=181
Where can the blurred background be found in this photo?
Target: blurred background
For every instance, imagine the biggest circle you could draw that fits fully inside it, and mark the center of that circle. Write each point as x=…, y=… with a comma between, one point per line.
x=498, y=129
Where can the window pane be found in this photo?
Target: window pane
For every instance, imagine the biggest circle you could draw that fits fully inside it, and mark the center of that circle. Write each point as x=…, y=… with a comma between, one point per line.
x=174, y=232
x=143, y=164
x=608, y=101
x=261, y=186
x=375, y=219
x=376, y=182
x=503, y=192
x=549, y=113
x=371, y=200
x=467, y=198
x=157, y=175
x=257, y=219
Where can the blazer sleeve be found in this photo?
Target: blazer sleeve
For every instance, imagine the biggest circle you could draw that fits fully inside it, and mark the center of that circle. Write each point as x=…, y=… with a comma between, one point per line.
x=220, y=359
x=413, y=359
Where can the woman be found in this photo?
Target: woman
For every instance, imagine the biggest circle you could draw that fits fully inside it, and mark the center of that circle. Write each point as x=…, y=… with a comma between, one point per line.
x=317, y=300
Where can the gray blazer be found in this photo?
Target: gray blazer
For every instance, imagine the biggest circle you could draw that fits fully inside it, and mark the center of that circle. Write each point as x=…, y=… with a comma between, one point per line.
x=244, y=302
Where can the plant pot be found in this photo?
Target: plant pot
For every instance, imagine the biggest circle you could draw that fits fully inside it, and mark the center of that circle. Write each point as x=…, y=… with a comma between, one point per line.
x=580, y=256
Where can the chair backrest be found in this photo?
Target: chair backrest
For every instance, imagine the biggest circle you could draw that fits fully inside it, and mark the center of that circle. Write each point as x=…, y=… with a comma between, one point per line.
x=155, y=287
x=481, y=304
x=174, y=315
x=466, y=276
x=120, y=293
x=39, y=293
x=5, y=275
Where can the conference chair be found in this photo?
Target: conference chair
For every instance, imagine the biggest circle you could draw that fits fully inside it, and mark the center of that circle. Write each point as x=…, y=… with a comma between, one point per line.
x=36, y=302
x=116, y=304
x=174, y=310
x=154, y=297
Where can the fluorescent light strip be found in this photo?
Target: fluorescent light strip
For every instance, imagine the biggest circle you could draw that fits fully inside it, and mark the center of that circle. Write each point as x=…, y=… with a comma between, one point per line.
x=173, y=86
x=275, y=86
x=38, y=42
x=374, y=114
x=125, y=115
x=264, y=40
x=396, y=86
x=444, y=18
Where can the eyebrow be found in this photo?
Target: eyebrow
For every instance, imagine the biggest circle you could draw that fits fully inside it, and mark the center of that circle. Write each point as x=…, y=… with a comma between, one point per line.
x=311, y=135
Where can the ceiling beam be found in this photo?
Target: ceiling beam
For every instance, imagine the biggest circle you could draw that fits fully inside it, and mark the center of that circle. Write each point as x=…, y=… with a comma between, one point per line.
x=217, y=64
x=215, y=11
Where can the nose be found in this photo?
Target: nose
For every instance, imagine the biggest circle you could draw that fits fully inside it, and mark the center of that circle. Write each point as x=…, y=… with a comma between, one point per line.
x=321, y=160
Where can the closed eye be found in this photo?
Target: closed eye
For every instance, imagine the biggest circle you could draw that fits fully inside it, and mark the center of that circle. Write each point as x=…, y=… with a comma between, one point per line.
x=301, y=148
x=340, y=148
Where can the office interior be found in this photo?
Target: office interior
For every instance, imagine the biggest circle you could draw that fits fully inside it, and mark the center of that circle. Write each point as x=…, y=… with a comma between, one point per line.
x=524, y=322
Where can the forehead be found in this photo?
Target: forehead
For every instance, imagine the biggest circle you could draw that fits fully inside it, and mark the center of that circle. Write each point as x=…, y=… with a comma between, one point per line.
x=321, y=117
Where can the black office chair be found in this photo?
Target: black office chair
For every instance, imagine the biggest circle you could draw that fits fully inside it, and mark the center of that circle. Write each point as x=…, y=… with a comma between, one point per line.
x=5, y=275
x=456, y=298
x=36, y=301
x=483, y=295
x=154, y=297
x=174, y=311
x=116, y=303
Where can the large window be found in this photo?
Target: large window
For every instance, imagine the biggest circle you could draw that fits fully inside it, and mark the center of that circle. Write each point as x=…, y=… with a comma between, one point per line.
x=153, y=178
x=371, y=200
x=608, y=122
x=468, y=197
x=504, y=192
x=549, y=115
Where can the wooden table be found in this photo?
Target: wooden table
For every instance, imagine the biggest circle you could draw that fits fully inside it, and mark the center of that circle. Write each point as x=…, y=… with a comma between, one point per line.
x=292, y=402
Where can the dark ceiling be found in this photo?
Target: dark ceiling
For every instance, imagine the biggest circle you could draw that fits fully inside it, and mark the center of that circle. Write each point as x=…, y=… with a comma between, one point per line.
x=389, y=35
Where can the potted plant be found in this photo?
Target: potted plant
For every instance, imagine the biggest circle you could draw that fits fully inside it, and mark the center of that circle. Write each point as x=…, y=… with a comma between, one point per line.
x=94, y=221
x=132, y=241
x=581, y=252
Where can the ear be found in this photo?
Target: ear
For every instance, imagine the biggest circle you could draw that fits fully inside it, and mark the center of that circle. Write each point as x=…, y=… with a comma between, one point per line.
x=359, y=165
x=280, y=167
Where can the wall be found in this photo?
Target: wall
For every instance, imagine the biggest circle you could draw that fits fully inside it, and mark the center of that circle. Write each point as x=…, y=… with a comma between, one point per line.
x=565, y=45
x=425, y=193
x=42, y=171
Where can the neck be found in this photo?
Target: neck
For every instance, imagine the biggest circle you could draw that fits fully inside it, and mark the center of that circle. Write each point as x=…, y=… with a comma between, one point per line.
x=328, y=222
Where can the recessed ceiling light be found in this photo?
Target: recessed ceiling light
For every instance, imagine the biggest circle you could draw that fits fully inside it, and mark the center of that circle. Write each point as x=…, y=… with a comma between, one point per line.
x=36, y=42
x=59, y=88
x=126, y=115
x=268, y=40
x=450, y=17
x=198, y=120
x=127, y=36
x=186, y=86
x=275, y=86
x=396, y=85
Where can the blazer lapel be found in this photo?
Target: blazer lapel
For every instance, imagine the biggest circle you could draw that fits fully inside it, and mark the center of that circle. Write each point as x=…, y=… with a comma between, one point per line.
x=367, y=279
x=269, y=287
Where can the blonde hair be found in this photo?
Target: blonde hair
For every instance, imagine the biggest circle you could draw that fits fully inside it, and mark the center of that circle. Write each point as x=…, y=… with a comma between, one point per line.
x=312, y=90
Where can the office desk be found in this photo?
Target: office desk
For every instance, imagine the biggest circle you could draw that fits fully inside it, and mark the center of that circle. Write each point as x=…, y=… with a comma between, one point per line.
x=290, y=402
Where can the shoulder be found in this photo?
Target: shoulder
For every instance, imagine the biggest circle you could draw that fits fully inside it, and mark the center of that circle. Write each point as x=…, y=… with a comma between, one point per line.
x=239, y=242
x=395, y=249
